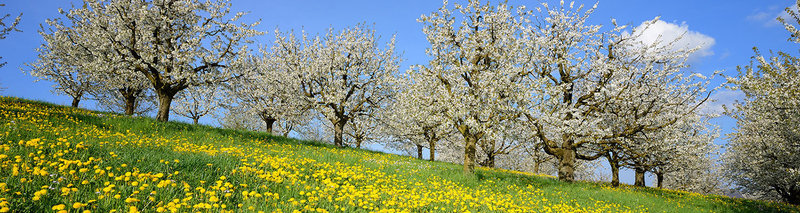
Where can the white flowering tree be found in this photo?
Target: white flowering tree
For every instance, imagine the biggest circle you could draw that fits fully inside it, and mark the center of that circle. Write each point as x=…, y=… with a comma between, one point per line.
x=342, y=74
x=474, y=71
x=511, y=137
x=680, y=148
x=683, y=158
x=196, y=102
x=362, y=130
x=268, y=92
x=762, y=155
x=238, y=119
x=70, y=64
x=173, y=44
x=415, y=118
x=67, y=79
x=63, y=68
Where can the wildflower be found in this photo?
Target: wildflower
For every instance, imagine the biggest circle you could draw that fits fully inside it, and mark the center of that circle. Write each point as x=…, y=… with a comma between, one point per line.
x=78, y=205
x=59, y=207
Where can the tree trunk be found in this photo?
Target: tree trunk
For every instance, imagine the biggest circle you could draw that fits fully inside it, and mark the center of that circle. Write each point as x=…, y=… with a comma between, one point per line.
x=130, y=105
x=432, y=150
x=614, y=172
x=469, y=153
x=129, y=96
x=490, y=160
x=270, y=122
x=659, y=179
x=75, y=101
x=195, y=119
x=338, y=131
x=566, y=165
x=164, y=102
x=419, y=151
x=359, y=140
x=536, y=167
x=639, y=177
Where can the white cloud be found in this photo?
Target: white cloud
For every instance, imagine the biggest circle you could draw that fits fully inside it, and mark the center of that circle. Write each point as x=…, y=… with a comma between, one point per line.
x=662, y=31
x=722, y=97
x=769, y=16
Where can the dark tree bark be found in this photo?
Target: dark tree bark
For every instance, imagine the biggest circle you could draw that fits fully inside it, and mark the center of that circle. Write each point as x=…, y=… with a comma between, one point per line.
x=194, y=120
x=490, y=161
x=130, y=96
x=338, y=132
x=164, y=101
x=639, y=177
x=419, y=151
x=270, y=122
x=76, y=101
x=614, y=173
x=359, y=140
x=432, y=150
x=659, y=179
x=613, y=162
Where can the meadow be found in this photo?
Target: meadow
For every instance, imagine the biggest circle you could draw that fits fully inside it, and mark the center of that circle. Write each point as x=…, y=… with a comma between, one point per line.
x=61, y=159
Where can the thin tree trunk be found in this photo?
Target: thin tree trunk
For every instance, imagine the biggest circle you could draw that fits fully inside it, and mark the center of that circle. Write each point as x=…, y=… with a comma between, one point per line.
x=536, y=167
x=129, y=95
x=639, y=177
x=469, y=153
x=164, y=102
x=432, y=150
x=614, y=172
x=659, y=179
x=359, y=140
x=195, y=119
x=419, y=151
x=566, y=165
x=76, y=101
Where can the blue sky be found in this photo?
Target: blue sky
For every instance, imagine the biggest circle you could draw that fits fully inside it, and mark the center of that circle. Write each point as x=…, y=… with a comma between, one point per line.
x=734, y=26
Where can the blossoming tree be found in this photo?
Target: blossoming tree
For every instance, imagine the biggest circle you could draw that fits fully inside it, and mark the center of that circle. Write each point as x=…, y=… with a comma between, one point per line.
x=414, y=118
x=341, y=74
x=173, y=44
x=474, y=70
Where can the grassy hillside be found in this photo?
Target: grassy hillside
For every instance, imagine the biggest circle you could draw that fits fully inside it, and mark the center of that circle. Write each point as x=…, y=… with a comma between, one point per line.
x=55, y=158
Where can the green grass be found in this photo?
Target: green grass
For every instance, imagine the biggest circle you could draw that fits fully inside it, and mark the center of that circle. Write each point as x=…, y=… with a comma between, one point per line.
x=205, y=168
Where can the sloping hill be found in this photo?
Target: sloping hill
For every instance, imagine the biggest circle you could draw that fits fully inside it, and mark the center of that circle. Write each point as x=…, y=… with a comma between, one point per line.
x=55, y=158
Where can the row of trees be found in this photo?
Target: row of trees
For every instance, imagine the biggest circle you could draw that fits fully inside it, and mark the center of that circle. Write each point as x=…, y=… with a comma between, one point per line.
x=501, y=81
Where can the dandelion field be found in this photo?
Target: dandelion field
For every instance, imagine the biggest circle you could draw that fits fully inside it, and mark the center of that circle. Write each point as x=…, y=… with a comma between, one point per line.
x=60, y=159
